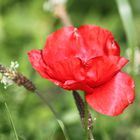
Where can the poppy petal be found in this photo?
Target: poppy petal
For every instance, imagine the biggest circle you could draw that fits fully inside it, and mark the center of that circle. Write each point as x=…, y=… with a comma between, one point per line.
x=98, y=41
x=101, y=69
x=62, y=44
x=67, y=71
x=86, y=42
x=112, y=97
x=35, y=58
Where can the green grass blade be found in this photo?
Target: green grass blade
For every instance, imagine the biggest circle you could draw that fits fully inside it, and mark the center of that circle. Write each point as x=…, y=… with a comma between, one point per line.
x=10, y=118
x=125, y=12
x=60, y=122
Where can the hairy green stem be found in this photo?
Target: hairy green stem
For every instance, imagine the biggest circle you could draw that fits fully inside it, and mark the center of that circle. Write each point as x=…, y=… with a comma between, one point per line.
x=80, y=105
x=88, y=126
x=85, y=115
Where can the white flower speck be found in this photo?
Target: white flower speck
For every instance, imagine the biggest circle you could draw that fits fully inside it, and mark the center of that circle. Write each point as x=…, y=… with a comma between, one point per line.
x=14, y=65
x=6, y=81
x=5, y=78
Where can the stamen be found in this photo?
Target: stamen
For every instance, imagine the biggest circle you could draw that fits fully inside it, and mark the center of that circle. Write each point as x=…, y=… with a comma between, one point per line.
x=76, y=34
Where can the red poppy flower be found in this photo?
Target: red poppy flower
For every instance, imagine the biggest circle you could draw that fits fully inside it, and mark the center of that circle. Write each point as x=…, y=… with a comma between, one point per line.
x=87, y=58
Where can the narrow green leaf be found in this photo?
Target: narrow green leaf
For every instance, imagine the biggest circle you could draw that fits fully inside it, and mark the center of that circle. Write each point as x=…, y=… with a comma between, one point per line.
x=10, y=118
x=125, y=12
x=60, y=122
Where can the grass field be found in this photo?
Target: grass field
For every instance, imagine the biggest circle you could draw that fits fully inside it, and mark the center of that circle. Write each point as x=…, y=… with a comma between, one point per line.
x=25, y=25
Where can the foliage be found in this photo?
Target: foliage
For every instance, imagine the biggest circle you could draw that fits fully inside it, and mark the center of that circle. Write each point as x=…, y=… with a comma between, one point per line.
x=24, y=25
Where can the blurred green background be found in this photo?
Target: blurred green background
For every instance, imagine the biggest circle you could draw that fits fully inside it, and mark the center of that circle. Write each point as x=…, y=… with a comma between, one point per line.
x=24, y=25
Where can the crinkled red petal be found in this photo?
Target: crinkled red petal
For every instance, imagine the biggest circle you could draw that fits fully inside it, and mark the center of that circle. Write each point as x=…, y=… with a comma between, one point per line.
x=101, y=69
x=98, y=41
x=114, y=96
x=63, y=44
x=86, y=42
x=35, y=58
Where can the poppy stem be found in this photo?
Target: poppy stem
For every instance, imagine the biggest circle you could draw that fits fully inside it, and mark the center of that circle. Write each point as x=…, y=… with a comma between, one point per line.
x=88, y=123
x=85, y=115
x=80, y=105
